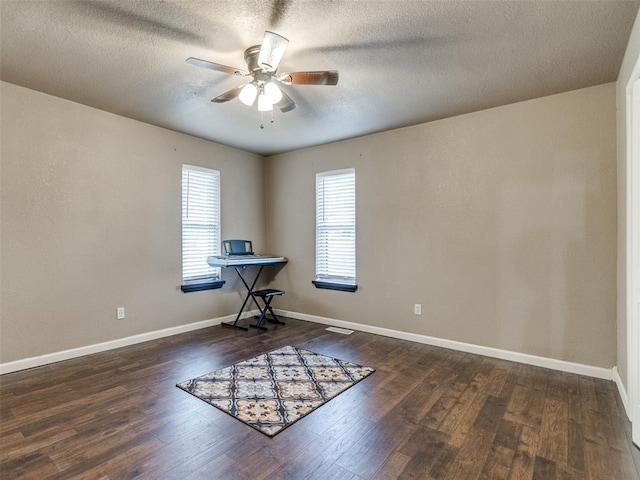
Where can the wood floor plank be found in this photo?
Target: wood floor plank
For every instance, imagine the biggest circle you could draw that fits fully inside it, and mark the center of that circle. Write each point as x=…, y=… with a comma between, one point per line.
x=121, y=462
x=554, y=431
x=443, y=407
x=333, y=425
x=415, y=406
x=557, y=386
x=475, y=450
x=587, y=393
x=498, y=378
x=457, y=414
x=388, y=396
x=373, y=449
x=544, y=469
x=182, y=458
x=429, y=453
x=621, y=465
x=38, y=399
x=58, y=413
x=270, y=457
x=575, y=441
x=524, y=459
x=427, y=412
x=498, y=463
x=526, y=406
x=315, y=459
x=508, y=434
x=564, y=472
x=472, y=456
x=29, y=466
x=38, y=441
x=223, y=468
x=465, y=423
x=393, y=467
x=10, y=441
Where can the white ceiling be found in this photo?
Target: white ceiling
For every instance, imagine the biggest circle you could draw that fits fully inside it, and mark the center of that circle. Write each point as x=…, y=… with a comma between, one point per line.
x=401, y=62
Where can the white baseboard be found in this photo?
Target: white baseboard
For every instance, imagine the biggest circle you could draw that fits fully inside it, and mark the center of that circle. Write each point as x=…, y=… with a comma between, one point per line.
x=622, y=391
x=32, y=362
x=597, y=372
x=554, y=364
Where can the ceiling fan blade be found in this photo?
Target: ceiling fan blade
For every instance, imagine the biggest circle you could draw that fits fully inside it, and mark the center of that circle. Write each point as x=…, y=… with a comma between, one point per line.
x=271, y=51
x=215, y=66
x=228, y=95
x=286, y=104
x=326, y=77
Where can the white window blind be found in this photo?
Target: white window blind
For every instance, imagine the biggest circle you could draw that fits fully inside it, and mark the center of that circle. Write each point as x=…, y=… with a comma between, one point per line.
x=336, y=226
x=200, y=221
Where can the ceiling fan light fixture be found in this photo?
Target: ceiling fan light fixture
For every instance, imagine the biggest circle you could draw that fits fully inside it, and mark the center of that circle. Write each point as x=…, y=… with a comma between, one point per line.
x=271, y=51
x=264, y=105
x=248, y=94
x=266, y=85
x=273, y=93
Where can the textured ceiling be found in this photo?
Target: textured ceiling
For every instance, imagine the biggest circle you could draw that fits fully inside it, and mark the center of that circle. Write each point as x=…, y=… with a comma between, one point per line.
x=401, y=62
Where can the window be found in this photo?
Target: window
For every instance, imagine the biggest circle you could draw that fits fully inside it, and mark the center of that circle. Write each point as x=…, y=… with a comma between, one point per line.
x=336, y=230
x=200, y=228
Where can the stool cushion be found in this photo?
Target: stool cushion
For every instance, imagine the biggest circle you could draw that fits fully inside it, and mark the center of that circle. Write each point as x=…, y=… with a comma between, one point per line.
x=268, y=292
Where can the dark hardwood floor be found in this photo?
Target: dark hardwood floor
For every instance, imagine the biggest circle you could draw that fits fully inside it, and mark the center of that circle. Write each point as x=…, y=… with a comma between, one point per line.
x=427, y=412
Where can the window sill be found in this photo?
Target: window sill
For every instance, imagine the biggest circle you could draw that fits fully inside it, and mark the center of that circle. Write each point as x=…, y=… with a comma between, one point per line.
x=200, y=285
x=341, y=287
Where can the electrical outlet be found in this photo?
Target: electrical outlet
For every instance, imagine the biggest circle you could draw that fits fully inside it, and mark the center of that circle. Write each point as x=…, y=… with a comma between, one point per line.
x=120, y=313
x=417, y=309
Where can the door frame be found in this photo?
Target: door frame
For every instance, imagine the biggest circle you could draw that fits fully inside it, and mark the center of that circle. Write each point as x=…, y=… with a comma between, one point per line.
x=633, y=249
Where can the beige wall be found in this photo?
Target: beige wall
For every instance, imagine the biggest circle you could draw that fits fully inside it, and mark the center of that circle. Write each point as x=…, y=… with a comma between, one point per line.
x=91, y=220
x=631, y=57
x=501, y=223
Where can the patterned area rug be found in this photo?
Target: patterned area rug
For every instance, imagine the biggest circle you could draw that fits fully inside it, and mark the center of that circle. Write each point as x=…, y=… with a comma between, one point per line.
x=271, y=391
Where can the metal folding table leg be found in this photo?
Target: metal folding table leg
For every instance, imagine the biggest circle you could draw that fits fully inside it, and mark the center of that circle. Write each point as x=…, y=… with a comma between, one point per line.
x=246, y=298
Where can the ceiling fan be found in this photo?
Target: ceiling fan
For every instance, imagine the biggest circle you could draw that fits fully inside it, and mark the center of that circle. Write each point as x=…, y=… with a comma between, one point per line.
x=262, y=64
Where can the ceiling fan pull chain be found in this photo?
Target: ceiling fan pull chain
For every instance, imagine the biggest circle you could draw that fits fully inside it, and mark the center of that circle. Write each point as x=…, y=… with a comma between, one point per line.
x=261, y=119
x=271, y=116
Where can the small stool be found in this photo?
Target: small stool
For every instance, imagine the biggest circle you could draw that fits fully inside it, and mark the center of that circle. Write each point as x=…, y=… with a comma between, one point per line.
x=267, y=295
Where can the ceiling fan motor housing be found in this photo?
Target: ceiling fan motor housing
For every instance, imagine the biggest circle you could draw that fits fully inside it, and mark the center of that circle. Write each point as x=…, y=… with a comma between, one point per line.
x=251, y=57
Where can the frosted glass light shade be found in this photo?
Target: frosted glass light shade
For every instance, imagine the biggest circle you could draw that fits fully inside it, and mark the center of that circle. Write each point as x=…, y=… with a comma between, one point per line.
x=273, y=93
x=248, y=94
x=264, y=105
x=271, y=51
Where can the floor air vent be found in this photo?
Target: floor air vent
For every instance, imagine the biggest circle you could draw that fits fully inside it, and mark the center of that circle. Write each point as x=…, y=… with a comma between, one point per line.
x=343, y=331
